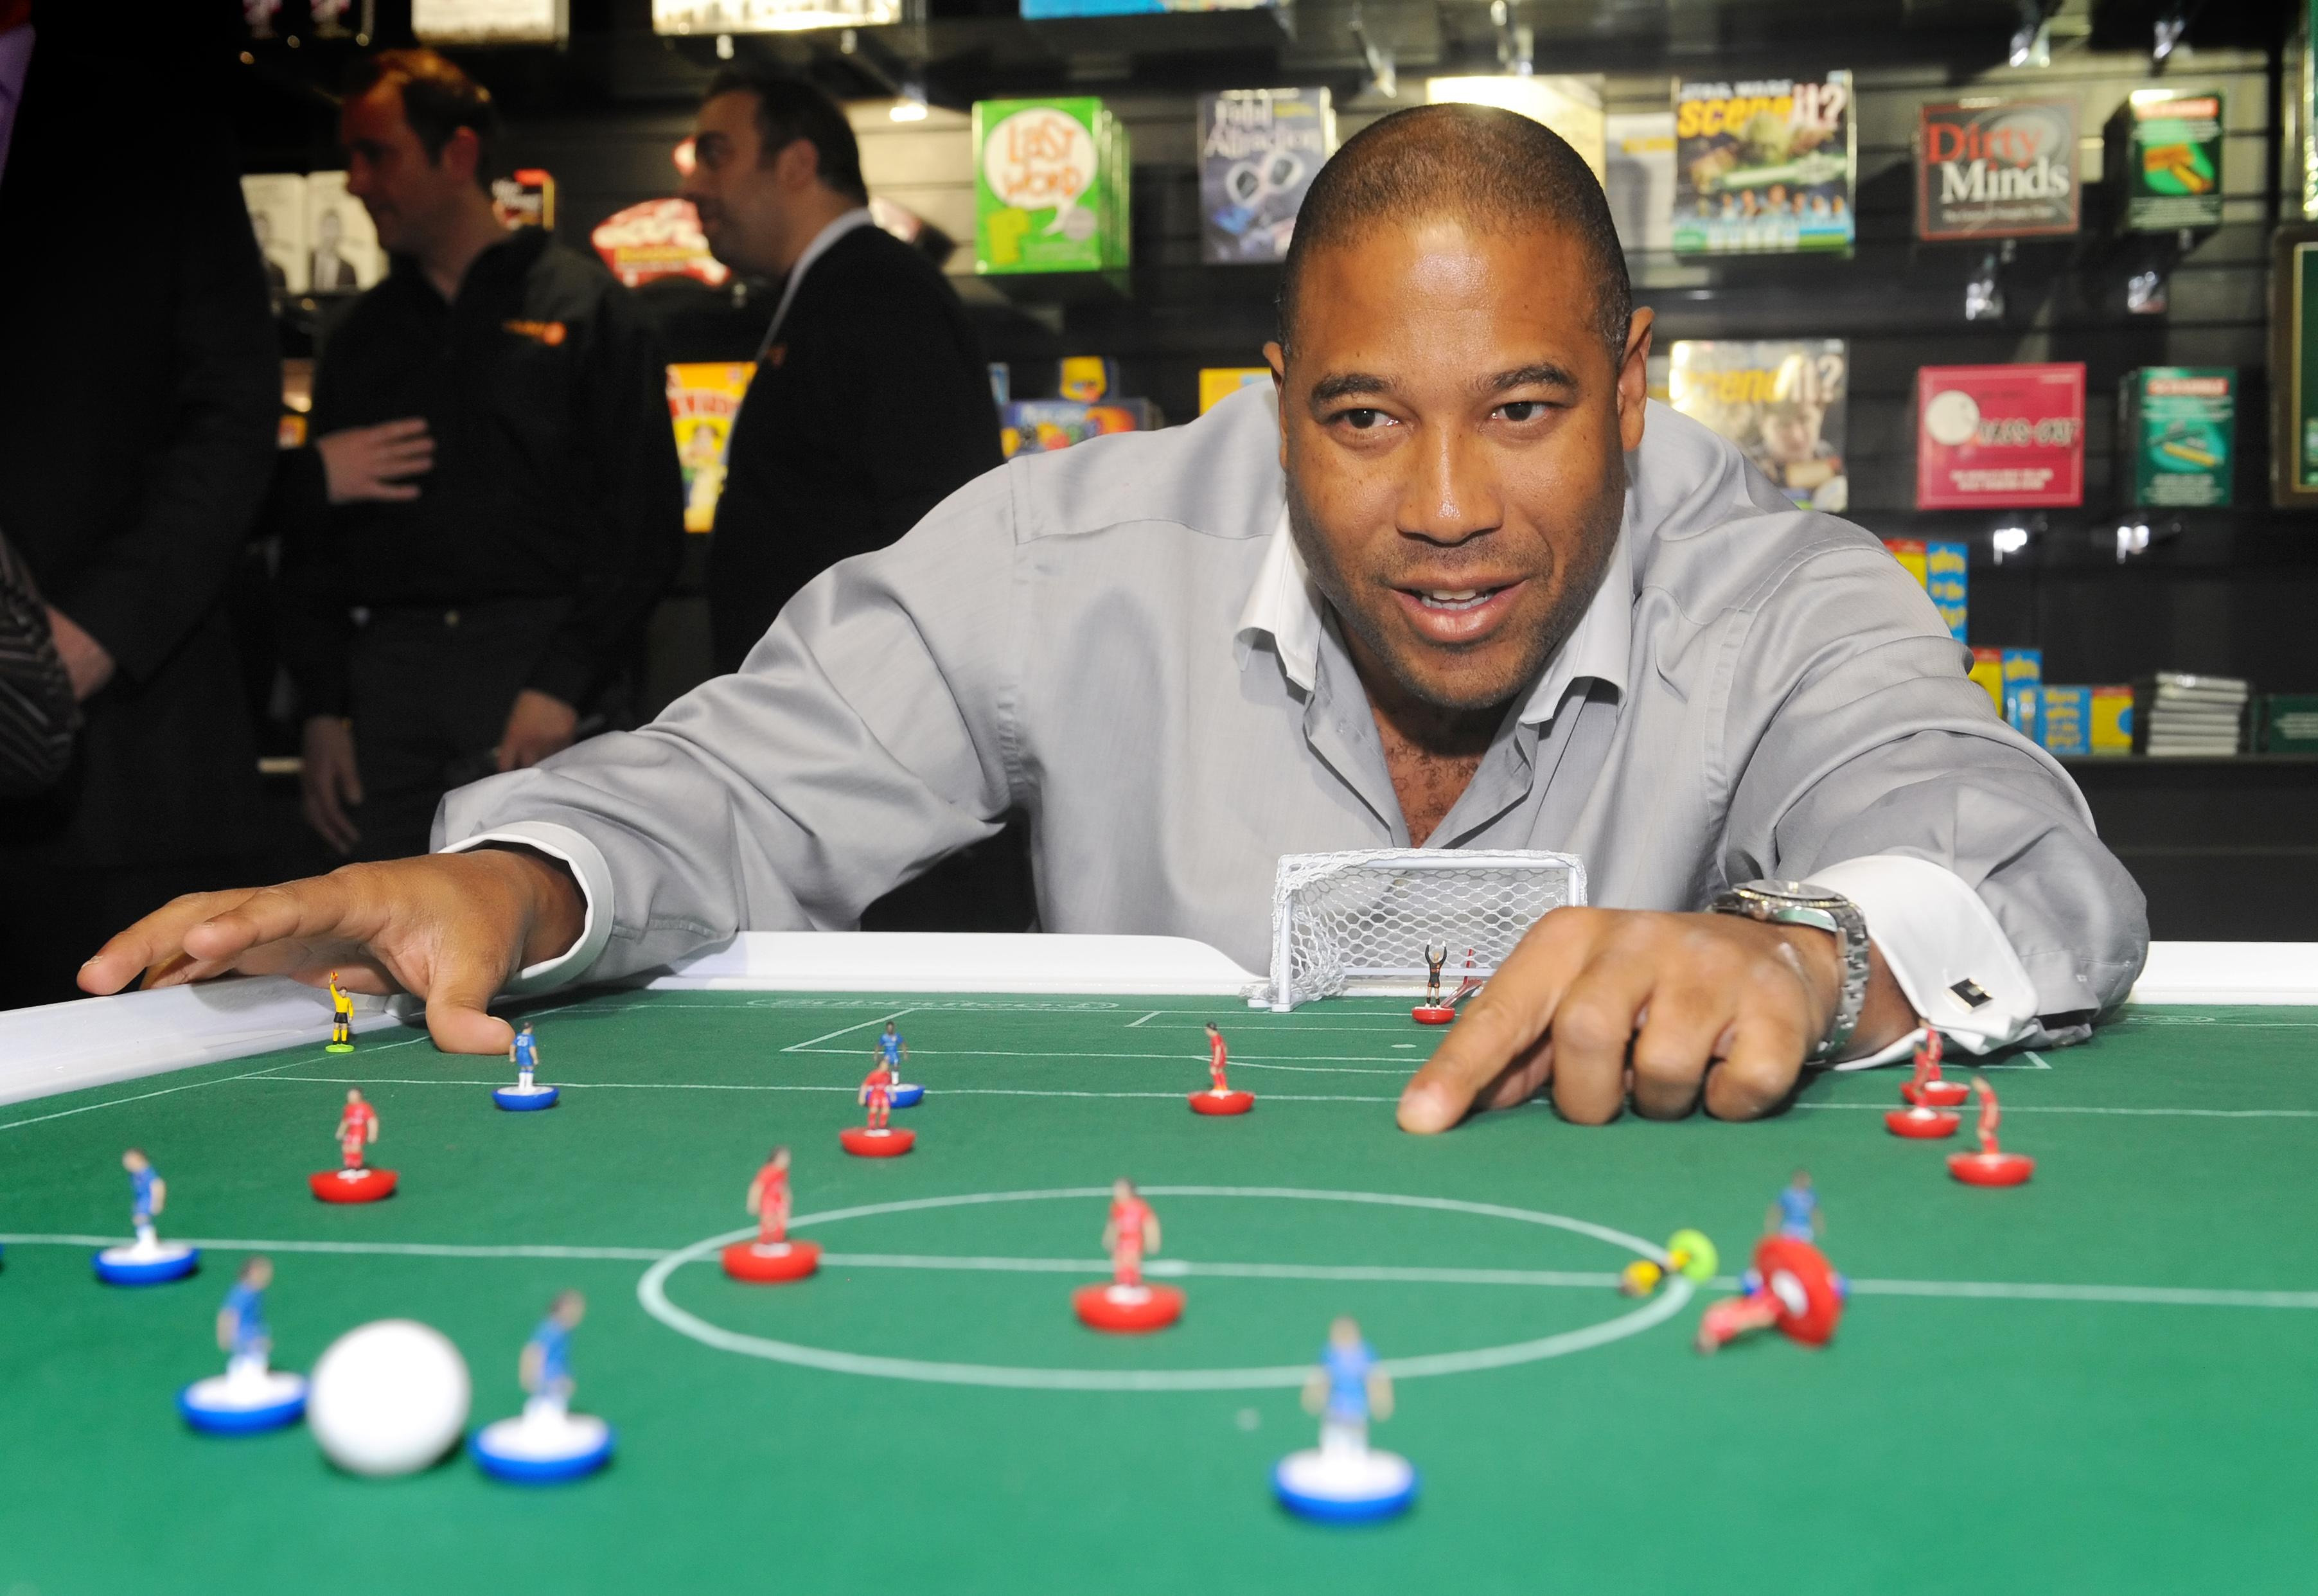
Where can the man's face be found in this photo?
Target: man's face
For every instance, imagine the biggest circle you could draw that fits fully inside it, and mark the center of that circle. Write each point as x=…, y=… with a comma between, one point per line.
x=1453, y=430
x=745, y=202
x=412, y=200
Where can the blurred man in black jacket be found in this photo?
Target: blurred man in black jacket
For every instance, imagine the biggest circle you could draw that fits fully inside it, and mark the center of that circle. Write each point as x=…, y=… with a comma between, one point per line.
x=138, y=391
x=871, y=402
x=493, y=484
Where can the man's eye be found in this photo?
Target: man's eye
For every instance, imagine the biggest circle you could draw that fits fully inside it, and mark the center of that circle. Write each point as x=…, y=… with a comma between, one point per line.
x=1363, y=421
x=1518, y=410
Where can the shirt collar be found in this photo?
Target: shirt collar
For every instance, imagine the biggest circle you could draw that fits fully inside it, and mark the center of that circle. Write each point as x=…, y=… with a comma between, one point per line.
x=1284, y=607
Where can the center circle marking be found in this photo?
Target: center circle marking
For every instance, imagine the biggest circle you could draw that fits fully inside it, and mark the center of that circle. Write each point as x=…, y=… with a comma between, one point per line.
x=651, y=1291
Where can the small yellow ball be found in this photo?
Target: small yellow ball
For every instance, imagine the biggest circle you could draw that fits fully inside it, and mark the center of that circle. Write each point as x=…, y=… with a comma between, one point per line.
x=1640, y=1278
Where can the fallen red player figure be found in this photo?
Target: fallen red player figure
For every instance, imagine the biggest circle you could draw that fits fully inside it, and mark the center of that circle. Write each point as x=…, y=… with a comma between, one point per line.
x=1991, y=1165
x=1128, y=1306
x=772, y=1257
x=354, y=1183
x=1432, y=1011
x=1220, y=1098
x=1798, y=1293
x=1927, y=1089
x=1930, y=1118
x=877, y=1140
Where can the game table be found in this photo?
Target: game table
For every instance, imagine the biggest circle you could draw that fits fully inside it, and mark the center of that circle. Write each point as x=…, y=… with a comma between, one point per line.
x=2105, y=1380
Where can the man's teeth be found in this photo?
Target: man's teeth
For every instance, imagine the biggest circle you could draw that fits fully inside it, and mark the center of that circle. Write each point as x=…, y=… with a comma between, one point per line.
x=1462, y=599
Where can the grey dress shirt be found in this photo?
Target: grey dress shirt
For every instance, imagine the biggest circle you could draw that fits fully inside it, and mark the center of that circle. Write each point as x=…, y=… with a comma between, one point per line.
x=1118, y=641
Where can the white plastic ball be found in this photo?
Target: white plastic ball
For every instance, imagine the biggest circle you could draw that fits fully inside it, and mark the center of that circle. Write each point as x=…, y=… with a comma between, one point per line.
x=388, y=1397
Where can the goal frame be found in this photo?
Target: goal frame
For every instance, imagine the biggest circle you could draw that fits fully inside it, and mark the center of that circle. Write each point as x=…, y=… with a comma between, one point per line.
x=1297, y=872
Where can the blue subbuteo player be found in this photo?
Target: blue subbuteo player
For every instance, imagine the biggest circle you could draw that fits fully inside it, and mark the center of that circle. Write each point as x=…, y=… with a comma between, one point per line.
x=525, y=1051
x=890, y=1051
x=148, y=1194
x=242, y=1334
x=1796, y=1212
x=1346, y=1389
x=545, y=1369
x=1345, y=1479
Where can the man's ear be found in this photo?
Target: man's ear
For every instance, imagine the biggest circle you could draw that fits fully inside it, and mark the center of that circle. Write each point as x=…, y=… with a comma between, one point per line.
x=463, y=154
x=1634, y=381
x=798, y=164
x=1276, y=357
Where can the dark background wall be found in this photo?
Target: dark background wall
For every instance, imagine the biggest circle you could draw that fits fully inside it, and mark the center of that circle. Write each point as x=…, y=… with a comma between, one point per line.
x=2224, y=848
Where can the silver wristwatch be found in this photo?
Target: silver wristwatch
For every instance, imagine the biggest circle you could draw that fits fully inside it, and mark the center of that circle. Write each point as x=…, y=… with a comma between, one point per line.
x=1798, y=903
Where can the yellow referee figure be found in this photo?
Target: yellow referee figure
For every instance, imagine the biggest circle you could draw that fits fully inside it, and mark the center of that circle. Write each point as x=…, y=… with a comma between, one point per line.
x=342, y=1018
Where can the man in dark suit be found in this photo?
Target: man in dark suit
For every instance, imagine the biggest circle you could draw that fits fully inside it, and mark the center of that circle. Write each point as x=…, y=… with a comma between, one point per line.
x=871, y=402
x=137, y=437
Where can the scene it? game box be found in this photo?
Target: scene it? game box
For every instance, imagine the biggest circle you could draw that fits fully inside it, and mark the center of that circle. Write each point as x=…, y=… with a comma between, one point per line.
x=1999, y=436
x=1765, y=164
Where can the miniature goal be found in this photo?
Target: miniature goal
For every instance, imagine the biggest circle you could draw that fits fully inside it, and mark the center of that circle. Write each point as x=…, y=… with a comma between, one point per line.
x=1359, y=923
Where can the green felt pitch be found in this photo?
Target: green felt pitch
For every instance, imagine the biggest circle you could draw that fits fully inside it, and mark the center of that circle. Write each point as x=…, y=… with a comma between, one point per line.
x=2103, y=1380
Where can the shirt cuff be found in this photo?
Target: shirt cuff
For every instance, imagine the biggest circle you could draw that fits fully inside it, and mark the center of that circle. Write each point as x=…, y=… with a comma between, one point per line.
x=587, y=868
x=1944, y=947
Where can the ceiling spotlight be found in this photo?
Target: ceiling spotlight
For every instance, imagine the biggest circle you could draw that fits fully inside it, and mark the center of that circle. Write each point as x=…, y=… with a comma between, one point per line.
x=2009, y=540
x=2132, y=538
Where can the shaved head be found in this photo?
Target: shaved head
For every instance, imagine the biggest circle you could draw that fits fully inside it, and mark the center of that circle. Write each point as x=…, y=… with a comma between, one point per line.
x=1496, y=171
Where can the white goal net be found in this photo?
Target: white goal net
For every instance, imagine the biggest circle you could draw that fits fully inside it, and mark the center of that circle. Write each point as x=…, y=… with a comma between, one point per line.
x=1359, y=923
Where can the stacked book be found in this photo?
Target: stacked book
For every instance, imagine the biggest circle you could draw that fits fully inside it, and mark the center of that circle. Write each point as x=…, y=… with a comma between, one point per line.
x=2175, y=714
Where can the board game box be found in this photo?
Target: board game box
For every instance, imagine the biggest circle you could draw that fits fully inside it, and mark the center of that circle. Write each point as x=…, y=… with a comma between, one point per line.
x=2179, y=427
x=1997, y=169
x=1999, y=436
x=1780, y=400
x=704, y=399
x=1943, y=571
x=2164, y=154
x=1259, y=152
x=1050, y=179
x=1764, y=163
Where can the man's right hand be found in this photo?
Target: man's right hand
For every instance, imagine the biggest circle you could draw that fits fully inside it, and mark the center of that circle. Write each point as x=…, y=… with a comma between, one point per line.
x=449, y=927
x=328, y=779
x=372, y=462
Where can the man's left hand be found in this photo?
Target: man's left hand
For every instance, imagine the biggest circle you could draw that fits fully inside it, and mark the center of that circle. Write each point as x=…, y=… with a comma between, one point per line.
x=538, y=725
x=1713, y=1004
x=88, y=664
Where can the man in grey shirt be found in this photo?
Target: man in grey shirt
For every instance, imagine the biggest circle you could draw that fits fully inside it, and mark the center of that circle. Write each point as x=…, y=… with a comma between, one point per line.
x=1457, y=584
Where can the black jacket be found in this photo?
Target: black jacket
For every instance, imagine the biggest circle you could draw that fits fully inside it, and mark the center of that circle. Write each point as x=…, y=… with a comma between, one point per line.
x=555, y=471
x=872, y=406
x=139, y=384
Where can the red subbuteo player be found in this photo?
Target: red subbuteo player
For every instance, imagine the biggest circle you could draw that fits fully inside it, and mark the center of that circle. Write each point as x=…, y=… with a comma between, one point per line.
x=768, y=1199
x=1217, y=1058
x=877, y=1093
x=1131, y=1232
x=357, y=1129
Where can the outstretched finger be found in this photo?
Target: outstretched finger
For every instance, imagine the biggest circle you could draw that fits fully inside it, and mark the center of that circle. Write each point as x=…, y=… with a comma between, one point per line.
x=152, y=943
x=463, y=975
x=1502, y=1027
x=316, y=908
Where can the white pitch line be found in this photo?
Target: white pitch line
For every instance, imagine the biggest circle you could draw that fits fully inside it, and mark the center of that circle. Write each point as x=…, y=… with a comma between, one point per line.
x=888, y=1017
x=1083, y=1057
x=66, y=1113
x=1170, y=1268
x=2187, y=1113
x=1153, y=1015
x=1183, y=1268
x=626, y=1255
x=2159, y=1296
